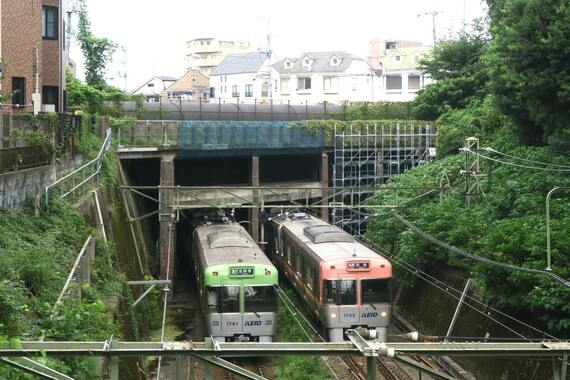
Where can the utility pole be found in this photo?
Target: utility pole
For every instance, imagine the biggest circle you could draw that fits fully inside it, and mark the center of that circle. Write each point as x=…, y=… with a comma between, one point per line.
x=433, y=15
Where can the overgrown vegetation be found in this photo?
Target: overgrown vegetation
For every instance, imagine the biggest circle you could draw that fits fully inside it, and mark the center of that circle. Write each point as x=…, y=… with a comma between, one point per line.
x=37, y=254
x=296, y=367
x=493, y=86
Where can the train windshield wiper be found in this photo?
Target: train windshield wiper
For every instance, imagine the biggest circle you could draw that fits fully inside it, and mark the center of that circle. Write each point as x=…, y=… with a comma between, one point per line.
x=258, y=316
x=372, y=306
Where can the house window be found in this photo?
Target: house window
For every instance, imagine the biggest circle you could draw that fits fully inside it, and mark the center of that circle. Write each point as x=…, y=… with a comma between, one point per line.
x=212, y=92
x=413, y=82
x=235, y=91
x=248, y=90
x=330, y=83
x=18, y=91
x=50, y=95
x=49, y=23
x=265, y=89
x=397, y=58
x=285, y=85
x=306, y=62
x=390, y=45
x=393, y=82
x=303, y=83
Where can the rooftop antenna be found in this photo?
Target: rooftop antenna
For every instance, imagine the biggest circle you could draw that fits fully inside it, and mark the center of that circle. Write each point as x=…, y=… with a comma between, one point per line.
x=433, y=15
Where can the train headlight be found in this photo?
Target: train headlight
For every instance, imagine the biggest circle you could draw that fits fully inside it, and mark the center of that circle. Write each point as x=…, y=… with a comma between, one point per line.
x=333, y=315
x=383, y=314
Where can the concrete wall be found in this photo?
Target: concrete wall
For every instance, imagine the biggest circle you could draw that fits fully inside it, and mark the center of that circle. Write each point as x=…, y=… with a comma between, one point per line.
x=16, y=187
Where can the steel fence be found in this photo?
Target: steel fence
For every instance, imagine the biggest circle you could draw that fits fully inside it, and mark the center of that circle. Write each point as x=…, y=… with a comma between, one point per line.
x=12, y=159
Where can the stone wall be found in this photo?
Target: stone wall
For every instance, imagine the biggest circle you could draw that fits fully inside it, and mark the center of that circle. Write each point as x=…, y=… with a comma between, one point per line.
x=16, y=187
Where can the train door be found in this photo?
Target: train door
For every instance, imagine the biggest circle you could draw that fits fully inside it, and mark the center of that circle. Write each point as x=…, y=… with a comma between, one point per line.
x=231, y=301
x=212, y=307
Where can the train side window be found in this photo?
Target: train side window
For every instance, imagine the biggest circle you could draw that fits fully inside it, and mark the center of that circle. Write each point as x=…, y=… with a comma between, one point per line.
x=309, y=276
x=299, y=266
x=289, y=255
x=375, y=291
x=331, y=292
x=230, y=299
x=213, y=299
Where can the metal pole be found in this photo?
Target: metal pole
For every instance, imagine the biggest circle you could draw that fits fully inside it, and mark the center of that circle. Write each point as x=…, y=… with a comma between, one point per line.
x=458, y=309
x=548, y=261
x=371, y=367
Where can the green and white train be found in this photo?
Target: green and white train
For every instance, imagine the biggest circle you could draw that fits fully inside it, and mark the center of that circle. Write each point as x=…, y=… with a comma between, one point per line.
x=236, y=284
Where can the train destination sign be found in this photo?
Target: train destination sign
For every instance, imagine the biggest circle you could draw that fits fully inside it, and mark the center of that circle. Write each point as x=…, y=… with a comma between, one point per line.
x=241, y=272
x=358, y=266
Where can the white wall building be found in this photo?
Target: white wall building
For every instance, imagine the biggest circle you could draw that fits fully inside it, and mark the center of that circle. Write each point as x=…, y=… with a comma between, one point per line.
x=243, y=76
x=401, y=77
x=152, y=88
x=325, y=76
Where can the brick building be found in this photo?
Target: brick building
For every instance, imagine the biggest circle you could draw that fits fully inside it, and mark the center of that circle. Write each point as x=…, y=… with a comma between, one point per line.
x=32, y=41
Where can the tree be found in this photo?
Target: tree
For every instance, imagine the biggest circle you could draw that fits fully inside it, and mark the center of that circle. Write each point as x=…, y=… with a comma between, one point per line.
x=529, y=64
x=97, y=51
x=458, y=71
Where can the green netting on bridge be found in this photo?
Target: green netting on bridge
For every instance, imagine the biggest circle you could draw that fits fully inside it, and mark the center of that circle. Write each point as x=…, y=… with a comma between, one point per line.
x=211, y=135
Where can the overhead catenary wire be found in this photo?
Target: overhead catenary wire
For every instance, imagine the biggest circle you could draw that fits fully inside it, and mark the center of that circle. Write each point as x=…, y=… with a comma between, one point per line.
x=289, y=305
x=552, y=169
x=472, y=256
x=446, y=287
x=525, y=159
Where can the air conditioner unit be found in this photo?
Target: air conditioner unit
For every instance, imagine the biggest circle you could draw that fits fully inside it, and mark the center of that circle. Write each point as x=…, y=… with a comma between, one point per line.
x=48, y=108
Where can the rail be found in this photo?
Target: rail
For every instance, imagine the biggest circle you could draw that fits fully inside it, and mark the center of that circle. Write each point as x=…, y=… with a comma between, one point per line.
x=77, y=179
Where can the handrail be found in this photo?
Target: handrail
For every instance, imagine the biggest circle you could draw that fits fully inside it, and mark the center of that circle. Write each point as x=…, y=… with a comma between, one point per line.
x=94, y=164
x=72, y=273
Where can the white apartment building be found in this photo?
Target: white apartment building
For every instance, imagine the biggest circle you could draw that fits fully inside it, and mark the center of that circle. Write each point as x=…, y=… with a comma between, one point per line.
x=243, y=76
x=204, y=54
x=324, y=76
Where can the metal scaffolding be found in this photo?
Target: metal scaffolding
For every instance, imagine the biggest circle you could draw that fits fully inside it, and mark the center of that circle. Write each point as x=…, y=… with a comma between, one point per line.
x=368, y=156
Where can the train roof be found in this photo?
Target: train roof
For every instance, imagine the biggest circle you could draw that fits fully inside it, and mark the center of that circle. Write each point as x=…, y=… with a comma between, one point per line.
x=228, y=244
x=326, y=241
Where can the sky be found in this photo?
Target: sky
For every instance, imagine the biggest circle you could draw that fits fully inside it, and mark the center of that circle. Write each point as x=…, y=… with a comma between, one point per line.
x=153, y=33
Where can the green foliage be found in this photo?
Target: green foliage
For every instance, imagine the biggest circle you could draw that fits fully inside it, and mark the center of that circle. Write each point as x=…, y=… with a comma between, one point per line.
x=529, y=63
x=37, y=254
x=296, y=367
x=330, y=127
x=506, y=225
x=459, y=73
x=377, y=111
x=97, y=51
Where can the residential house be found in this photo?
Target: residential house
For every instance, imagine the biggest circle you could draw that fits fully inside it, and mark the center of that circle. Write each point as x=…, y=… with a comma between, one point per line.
x=152, y=88
x=243, y=75
x=204, y=54
x=34, y=56
x=193, y=85
x=401, y=77
x=379, y=48
x=315, y=77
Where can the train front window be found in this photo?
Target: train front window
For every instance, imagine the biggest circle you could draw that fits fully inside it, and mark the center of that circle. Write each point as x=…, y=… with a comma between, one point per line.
x=213, y=299
x=230, y=299
x=340, y=292
x=375, y=291
x=260, y=299
x=347, y=292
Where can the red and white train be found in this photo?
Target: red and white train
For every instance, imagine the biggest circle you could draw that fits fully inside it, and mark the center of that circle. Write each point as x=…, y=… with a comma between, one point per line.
x=344, y=283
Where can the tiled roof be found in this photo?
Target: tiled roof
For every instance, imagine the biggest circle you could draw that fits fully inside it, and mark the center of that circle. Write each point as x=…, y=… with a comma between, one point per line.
x=318, y=62
x=240, y=63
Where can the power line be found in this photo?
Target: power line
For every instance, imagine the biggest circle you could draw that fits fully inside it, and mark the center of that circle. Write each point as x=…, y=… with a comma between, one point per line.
x=526, y=160
x=472, y=256
x=516, y=165
x=435, y=282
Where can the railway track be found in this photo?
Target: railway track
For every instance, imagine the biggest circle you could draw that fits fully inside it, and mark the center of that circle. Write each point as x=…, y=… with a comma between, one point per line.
x=386, y=368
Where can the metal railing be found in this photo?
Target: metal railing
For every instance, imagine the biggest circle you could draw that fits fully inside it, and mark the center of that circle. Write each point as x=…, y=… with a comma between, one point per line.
x=80, y=273
x=77, y=179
